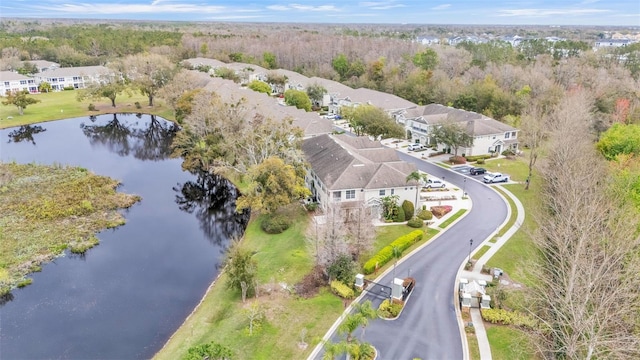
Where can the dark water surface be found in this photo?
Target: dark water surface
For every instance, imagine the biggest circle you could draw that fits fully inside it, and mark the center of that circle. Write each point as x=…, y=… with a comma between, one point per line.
x=125, y=297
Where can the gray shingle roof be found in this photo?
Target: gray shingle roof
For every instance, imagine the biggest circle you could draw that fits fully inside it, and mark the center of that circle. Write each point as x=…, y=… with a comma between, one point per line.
x=12, y=76
x=476, y=124
x=267, y=106
x=343, y=162
x=76, y=71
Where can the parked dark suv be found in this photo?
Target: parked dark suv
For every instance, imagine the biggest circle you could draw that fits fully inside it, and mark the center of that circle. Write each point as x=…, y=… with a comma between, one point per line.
x=477, y=171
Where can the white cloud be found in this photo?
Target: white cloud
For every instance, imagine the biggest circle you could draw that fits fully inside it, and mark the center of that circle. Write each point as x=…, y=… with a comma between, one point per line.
x=549, y=12
x=441, y=7
x=381, y=5
x=278, y=7
x=110, y=9
x=301, y=7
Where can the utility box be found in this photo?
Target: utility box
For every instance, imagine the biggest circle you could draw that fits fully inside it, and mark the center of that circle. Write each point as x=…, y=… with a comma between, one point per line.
x=486, y=302
x=462, y=283
x=396, y=289
x=465, y=301
x=360, y=281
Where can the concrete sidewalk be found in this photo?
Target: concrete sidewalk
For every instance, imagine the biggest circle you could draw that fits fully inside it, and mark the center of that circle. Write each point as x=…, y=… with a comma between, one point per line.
x=476, y=272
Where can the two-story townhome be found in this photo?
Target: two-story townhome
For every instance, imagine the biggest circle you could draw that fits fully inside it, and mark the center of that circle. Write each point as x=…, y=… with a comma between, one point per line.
x=73, y=77
x=195, y=63
x=489, y=135
x=262, y=105
x=355, y=170
x=13, y=82
x=43, y=65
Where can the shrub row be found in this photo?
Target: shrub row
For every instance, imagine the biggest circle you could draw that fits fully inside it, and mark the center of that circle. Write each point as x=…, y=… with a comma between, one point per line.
x=477, y=157
x=457, y=160
x=342, y=290
x=386, y=253
x=441, y=210
x=505, y=317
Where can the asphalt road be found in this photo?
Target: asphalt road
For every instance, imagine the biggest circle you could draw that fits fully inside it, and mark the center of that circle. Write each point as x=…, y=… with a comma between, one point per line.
x=428, y=327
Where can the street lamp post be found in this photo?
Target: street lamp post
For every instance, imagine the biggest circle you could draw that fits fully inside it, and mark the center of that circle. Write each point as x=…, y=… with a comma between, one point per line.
x=464, y=187
x=470, y=245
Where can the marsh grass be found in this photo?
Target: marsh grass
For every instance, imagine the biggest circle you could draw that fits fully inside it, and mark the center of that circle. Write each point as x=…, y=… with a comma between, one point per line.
x=47, y=209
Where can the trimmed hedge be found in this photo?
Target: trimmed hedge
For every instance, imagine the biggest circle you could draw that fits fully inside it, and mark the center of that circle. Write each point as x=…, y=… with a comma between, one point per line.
x=425, y=214
x=415, y=222
x=386, y=253
x=342, y=290
x=477, y=157
x=409, y=209
x=399, y=216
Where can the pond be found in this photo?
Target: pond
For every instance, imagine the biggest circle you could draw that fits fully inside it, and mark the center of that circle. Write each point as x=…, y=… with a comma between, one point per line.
x=125, y=297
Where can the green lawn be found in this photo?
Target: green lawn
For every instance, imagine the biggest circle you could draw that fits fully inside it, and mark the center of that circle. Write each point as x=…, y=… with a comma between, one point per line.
x=519, y=250
x=281, y=258
x=514, y=214
x=481, y=252
x=64, y=105
x=451, y=219
x=517, y=168
x=509, y=343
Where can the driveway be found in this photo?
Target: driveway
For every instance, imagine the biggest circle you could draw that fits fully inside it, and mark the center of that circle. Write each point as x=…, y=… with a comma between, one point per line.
x=428, y=327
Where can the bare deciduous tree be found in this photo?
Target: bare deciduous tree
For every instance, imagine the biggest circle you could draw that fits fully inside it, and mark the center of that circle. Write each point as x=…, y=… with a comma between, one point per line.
x=586, y=294
x=328, y=235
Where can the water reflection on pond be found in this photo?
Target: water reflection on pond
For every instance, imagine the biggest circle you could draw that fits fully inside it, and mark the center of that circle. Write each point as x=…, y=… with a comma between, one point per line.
x=126, y=296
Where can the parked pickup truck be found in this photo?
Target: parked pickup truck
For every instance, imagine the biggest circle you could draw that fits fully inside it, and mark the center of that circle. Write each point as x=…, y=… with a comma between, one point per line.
x=495, y=178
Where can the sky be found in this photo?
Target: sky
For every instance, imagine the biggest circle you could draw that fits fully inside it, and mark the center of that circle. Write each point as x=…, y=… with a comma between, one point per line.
x=501, y=12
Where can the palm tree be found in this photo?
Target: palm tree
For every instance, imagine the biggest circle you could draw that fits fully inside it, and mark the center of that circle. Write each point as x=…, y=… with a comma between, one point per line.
x=415, y=176
x=367, y=312
x=333, y=350
x=350, y=324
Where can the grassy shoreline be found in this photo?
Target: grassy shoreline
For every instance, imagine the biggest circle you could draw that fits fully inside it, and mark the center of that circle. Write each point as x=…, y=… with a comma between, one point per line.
x=48, y=209
x=63, y=105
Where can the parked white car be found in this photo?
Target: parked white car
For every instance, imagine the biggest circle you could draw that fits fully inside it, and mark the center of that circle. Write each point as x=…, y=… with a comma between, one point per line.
x=414, y=147
x=491, y=178
x=434, y=183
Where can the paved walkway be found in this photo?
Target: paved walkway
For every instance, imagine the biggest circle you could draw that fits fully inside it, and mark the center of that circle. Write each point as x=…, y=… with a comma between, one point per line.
x=476, y=272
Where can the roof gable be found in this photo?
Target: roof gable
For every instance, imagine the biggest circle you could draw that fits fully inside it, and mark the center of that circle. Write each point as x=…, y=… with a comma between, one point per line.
x=343, y=162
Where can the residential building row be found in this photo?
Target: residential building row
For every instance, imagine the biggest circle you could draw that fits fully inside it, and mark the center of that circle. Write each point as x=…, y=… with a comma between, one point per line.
x=344, y=169
x=59, y=78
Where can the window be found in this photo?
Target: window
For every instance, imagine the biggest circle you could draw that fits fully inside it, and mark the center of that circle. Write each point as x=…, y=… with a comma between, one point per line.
x=506, y=135
x=350, y=194
x=513, y=134
x=392, y=191
x=23, y=82
x=6, y=83
x=61, y=79
x=337, y=195
x=382, y=192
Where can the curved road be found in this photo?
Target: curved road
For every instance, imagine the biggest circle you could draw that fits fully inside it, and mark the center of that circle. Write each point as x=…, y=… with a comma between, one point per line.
x=428, y=327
